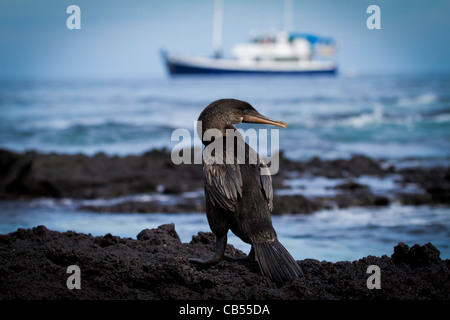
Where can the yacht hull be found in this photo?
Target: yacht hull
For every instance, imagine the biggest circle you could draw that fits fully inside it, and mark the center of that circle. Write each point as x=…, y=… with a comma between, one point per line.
x=179, y=65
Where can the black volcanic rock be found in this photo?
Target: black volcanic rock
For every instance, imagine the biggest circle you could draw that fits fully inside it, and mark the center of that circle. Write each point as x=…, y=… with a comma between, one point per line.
x=34, y=264
x=99, y=176
x=32, y=175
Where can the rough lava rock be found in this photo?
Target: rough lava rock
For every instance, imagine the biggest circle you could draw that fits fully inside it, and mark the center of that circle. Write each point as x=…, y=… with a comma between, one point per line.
x=34, y=263
x=31, y=175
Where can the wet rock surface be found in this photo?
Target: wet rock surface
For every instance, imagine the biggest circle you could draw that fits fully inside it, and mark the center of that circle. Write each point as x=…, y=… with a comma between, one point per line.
x=34, y=263
x=100, y=176
x=32, y=175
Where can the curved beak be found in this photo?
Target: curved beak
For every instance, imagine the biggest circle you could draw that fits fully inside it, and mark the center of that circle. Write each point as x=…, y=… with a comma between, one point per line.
x=255, y=117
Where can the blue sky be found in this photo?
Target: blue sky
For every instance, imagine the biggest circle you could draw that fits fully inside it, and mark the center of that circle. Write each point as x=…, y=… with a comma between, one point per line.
x=122, y=39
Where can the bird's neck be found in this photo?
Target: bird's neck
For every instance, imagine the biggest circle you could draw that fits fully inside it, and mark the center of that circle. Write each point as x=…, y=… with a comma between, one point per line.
x=210, y=132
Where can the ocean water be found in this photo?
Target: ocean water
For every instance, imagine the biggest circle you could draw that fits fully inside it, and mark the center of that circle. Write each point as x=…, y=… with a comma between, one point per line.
x=391, y=117
x=403, y=119
x=332, y=235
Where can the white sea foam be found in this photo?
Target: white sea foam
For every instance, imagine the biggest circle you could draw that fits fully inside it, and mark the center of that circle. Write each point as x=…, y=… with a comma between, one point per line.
x=422, y=99
x=442, y=118
x=365, y=119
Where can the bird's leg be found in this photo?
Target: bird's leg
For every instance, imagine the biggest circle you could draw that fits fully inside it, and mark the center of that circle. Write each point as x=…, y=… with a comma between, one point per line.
x=221, y=244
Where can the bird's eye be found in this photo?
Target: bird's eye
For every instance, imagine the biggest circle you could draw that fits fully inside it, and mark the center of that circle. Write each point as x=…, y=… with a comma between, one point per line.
x=246, y=110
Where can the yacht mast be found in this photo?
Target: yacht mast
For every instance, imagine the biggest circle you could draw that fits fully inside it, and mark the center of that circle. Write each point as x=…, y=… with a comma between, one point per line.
x=288, y=15
x=217, y=28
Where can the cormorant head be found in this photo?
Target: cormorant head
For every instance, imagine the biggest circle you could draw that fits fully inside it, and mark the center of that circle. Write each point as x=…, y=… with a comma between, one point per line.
x=224, y=113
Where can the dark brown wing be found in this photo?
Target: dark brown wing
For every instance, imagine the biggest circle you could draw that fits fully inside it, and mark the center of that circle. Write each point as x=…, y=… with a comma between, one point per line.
x=223, y=182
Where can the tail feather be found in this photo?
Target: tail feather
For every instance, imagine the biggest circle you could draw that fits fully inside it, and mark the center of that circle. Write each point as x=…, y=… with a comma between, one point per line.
x=275, y=262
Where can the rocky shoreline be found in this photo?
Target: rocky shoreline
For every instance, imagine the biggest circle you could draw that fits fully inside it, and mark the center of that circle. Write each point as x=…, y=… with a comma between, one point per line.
x=155, y=265
x=32, y=175
x=34, y=262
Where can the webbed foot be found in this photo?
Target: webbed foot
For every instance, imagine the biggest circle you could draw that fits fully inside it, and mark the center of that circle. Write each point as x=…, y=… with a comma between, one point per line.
x=249, y=257
x=205, y=262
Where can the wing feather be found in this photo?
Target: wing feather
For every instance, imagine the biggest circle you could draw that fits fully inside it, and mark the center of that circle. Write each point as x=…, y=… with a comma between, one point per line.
x=223, y=182
x=265, y=182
